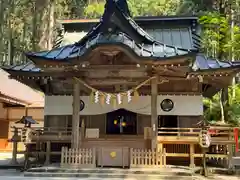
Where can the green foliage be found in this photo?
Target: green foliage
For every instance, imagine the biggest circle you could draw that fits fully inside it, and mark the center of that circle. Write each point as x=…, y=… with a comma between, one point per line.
x=94, y=10
x=25, y=25
x=145, y=8
x=212, y=111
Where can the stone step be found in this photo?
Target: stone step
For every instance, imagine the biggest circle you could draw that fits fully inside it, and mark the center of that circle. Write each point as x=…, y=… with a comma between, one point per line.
x=112, y=176
x=109, y=173
x=236, y=162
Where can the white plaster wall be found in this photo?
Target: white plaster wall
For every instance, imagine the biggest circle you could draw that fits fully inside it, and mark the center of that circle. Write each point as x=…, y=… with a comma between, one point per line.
x=183, y=106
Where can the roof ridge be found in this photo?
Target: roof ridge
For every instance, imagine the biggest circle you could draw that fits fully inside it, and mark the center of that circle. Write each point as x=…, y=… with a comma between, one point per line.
x=131, y=22
x=116, y=21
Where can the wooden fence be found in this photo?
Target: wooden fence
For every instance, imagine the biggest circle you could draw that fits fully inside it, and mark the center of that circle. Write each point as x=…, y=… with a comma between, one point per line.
x=78, y=158
x=147, y=158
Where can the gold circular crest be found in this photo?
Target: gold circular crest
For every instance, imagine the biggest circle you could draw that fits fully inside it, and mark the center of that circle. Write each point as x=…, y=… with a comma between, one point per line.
x=113, y=154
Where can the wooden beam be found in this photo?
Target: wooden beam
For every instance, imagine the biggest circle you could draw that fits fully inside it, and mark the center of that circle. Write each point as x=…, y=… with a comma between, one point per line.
x=126, y=81
x=218, y=82
x=154, y=118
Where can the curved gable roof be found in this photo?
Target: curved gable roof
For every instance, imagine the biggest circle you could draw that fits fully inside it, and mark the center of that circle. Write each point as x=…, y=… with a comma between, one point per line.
x=115, y=27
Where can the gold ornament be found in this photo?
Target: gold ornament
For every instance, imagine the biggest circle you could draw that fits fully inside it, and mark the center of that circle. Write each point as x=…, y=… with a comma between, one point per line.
x=113, y=154
x=124, y=124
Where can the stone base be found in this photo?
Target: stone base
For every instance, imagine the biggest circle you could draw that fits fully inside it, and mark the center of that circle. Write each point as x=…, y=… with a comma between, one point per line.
x=110, y=173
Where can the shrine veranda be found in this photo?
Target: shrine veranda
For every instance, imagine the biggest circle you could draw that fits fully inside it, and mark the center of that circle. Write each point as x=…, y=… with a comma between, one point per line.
x=123, y=90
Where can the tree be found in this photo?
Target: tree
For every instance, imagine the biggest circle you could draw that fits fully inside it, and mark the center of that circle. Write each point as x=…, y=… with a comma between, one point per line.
x=212, y=111
x=29, y=25
x=145, y=8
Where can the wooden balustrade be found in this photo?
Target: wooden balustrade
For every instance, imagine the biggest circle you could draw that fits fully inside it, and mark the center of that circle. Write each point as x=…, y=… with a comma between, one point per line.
x=172, y=143
x=219, y=135
x=78, y=158
x=147, y=158
x=48, y=134
x=184, y=143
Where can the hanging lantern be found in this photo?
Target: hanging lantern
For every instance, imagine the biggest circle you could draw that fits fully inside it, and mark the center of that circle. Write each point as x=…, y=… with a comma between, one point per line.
x=129, y=97
x=96, y=98
x=119, y=99
x=124, y=124
x=108, y=98
x=115, y=122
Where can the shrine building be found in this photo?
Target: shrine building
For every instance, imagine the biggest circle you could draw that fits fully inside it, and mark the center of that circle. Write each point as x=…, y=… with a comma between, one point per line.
x=122, y=83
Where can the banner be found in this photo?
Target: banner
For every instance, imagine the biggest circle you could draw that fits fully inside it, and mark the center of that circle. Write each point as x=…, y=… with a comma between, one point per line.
x=236, y=131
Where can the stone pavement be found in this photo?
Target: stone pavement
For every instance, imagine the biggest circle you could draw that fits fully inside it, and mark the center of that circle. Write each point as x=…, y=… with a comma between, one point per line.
x=170, y=173
x=106, y=174
x=5, y=158
x=16, y=175
x=11, y=175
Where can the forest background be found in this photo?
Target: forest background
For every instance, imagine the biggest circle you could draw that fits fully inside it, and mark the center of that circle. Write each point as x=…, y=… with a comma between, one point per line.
x=31, y=25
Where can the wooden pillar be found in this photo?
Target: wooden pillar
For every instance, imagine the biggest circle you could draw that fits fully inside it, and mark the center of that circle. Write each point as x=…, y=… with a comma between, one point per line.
x=230, y=157
x=48, y=153
x=15, y=145
x=192, y=151
x=75, y=116
x=154, y=118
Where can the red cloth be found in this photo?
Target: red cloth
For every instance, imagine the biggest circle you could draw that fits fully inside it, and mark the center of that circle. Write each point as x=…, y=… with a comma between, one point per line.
x=236, y=138
x=212, y=131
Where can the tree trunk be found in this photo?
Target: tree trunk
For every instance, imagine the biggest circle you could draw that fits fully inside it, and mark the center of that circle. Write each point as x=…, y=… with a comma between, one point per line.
x=51, y=24
x=10, y=33
x=224, y=100
x=2, y=5
x=34, y=26
x=43, y=40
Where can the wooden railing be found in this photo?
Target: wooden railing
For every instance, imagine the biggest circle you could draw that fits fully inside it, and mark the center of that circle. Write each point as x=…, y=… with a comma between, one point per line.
x=219, y=135
x=147, y=158
x=179, y=131
x=78, y=158
x=184, y=143
x=47, y=134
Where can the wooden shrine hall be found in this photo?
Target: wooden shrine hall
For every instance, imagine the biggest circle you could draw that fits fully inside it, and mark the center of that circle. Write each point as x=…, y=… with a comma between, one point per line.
x=125, y=92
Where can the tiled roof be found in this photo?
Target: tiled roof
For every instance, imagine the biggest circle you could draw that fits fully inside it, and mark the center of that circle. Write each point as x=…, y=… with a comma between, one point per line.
x=115, y=27
x=18, y=91
x=26, y=120
x=201, y=63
